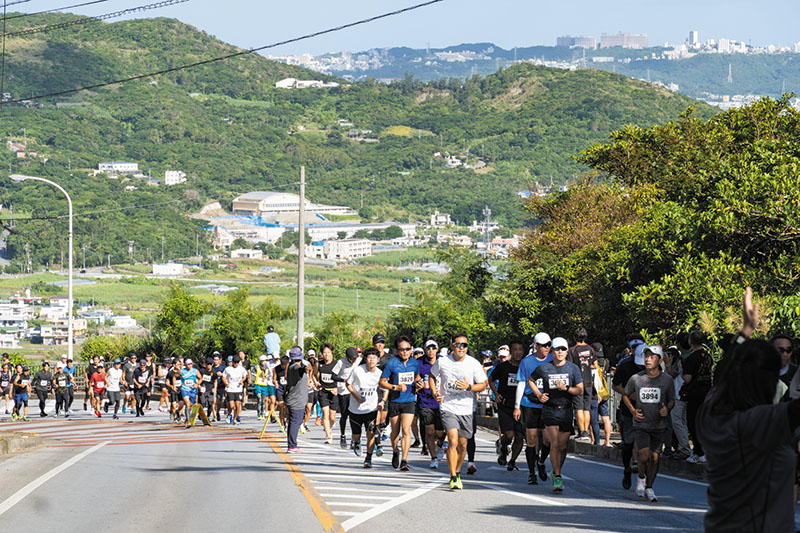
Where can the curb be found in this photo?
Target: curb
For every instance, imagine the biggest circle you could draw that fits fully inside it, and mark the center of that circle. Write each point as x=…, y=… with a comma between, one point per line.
x=614, y=454
x=12, y=441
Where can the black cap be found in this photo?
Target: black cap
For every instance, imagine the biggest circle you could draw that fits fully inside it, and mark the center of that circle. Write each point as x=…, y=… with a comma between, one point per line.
x=270, y=329
x=209, y=360
x=378, y=337
x=351, y=353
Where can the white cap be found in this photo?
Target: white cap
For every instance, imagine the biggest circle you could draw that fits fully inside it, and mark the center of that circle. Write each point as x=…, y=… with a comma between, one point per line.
x=63, y=356
x=60, y=364
x=638, y=356
x=262, y=358
x=541, y=338
x=560, y=342
x=311, y=352
x=187, y=360
x=656, y=349
x=503, y=351
x=431, y=342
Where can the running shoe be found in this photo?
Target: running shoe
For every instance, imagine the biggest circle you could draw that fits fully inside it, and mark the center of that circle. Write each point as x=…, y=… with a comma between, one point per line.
x=230, y=419
x=318, y=422
x=558, y=484
x=343, y=442
x=640, y=486
x=498, y=446
x=502, y=460
x=238, y=419
x=404, y=466
x=459, y=485
x=294, y=450
x=635, y=467
x=237, y=423
x=532, y=479
x=650, y=495
x=542, y=471
x=259, y=417
x=304, y=428
x=328, y=440
x=471, y=469
x=453, y=484
x=416, y=443
x=14, y=416
x=66, y=415
x=512, y=467
x=357, y=449
x=84, y=407
x=379, y=451
x=26, y=419
x=97, y=413
x=115, y=417
x=434, y=464
x=368, y=462
x=395, y=460
x=626, y=479
x=123, y=409
x=105, y=407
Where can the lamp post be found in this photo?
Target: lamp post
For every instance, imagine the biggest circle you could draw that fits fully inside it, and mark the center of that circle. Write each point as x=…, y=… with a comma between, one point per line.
x=20, y=178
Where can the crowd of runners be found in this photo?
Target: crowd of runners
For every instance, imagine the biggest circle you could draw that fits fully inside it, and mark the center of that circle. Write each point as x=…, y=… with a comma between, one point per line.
x=425, y=397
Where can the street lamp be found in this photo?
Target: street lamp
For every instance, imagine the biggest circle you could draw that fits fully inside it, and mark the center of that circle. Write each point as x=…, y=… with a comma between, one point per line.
x=19, y=178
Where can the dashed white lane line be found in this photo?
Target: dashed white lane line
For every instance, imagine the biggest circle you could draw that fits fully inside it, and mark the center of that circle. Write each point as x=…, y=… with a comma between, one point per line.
x=382, y=508
x=539, y=499
x=617, y=467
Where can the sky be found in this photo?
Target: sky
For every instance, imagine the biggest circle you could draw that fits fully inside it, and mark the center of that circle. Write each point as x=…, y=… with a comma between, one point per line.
x=507, y=23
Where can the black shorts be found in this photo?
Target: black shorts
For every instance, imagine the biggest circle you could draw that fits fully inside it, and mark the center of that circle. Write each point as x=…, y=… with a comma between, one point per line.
x=175, y=397
x=651, y=439
x=313, y=396
x=505, y=416
x=583, y=402
x=234, y=396
x=358, y=420
x=431, y=417
x=221, y=394
x=531, y=417
x=405, y=408
x=328, y=399
x=552, y=416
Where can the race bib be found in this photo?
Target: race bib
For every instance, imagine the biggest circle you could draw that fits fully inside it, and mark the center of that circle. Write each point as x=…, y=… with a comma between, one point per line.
x=62, y=383
x=100, y=384
x=162, y=380
x=4, y=384
x=539, y=383
x=451, y=385
x=553, y=379
x=44, y=383
x=512, y=380
x=283, y=380
x=142, y=379
x=202, y=388
x=207, y=377
x=177, y=383
x=368, y=393
x=326, y=378
x=24, y=382
x=405, y=378
x=650, y=395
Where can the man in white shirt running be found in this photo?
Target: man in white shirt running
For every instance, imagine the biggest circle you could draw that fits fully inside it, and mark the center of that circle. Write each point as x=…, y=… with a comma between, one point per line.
x=234, y=378
x=461, y=377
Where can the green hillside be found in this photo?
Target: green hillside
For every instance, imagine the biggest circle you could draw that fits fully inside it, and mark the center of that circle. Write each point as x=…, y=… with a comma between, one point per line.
x=228, y=127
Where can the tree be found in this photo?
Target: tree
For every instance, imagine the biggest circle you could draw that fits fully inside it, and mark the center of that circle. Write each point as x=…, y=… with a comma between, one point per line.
x=393, y=232
x=239, y=243
x=176, y=320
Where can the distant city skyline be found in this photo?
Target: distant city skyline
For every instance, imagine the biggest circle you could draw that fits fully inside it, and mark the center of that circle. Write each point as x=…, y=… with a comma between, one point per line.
x=505, y=23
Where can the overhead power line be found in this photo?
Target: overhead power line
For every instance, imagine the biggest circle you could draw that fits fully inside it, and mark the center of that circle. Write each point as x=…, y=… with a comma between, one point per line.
x=86, y=20
x=23, y=15
x=230, y=56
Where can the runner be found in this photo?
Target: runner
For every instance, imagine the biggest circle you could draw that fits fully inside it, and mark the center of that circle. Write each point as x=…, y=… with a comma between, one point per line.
x=263, y=380
x=189, y=387
x=127, y=383
x=218, y=369
x=91, y=368
x=379, y=343
x=142, y=382
x=98, y=385
x=626, y=368
x=234, y=378
x=208, y=387
x=342, y=371
x=272, y=389
x=461, y=377
x=295, y=396
x=416, y=428
x=61, y=381
x=152, y=370
x=5, y=386
x=561, y=382
x=363, y=385
x=430, y=416
x=244, y=362
x=161, y=385
x=584, y=357
x=114, y=380
x=272, y=342
x=503, y=382
x=313, y=388
x=399, y=377
x=649, y=395
x=70, y=370
x=174, y=382
x=280, y=379
x=22, y=389
x=528, y=408
x=42, y=383
x=328, y=390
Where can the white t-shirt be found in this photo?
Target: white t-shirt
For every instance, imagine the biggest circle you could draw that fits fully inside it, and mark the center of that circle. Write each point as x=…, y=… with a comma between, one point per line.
x=344, y=369
x=448, y=370
x=235, y=376
x=366, y=383
x=113, y=377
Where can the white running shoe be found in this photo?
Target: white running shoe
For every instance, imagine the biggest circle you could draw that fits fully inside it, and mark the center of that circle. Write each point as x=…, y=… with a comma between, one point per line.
x=434, y=464
x=693, y=459
x=650, y=495
x=640, y=486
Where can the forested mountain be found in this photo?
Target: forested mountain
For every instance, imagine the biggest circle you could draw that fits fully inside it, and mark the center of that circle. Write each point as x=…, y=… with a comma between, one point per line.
x=228, y=127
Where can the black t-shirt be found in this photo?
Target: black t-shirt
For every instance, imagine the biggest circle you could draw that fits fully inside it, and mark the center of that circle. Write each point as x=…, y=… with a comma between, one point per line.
x=218, y=371
x=24, y=380
x=505, y=376
x=384, y=360
x=206, y=380
x=141, y=377
x=697, y=365
x=568, y=373
x=583, y=356
x=173, y=373
x=326, y=375
x=42, y=380
x=90, y=370
x=280, y=377
x=621, y=377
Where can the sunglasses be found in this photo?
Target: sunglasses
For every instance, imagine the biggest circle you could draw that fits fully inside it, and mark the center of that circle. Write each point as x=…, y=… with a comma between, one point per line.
x=461, y=345
x=560, y=349
x=785, y=350
x=404, y=349
x=545, y=345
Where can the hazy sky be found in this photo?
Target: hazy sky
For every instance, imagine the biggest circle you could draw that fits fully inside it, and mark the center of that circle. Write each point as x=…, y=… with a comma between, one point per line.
x=508, y=23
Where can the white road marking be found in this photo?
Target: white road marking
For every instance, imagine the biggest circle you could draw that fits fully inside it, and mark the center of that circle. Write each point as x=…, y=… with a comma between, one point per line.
x=393, y=480
x=382, y=508
x=348, y=488
x=351, y=504
x=344, y=513
x=44, y=478
x=531, y=497
x=359, y=496
x=617, y=467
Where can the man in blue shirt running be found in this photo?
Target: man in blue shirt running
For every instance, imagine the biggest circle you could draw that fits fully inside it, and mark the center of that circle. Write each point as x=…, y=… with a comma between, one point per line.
x=398, y=377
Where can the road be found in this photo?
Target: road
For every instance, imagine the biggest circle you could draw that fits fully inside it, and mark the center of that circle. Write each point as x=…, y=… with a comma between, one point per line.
x=126, y=475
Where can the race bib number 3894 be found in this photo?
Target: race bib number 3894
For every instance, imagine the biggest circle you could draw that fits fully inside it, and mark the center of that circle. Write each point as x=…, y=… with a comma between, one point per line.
x=650, y=395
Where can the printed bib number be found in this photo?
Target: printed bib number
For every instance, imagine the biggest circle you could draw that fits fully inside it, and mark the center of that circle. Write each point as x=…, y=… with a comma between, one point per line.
x=326, y=378
x=177, y=383
x=101, y=384
x=368, y=393
x=539, y=383
x=202, y=388
x=142, y=379
x=405, y=378
x=512, y=380
x=62, y=383
x=283, y=381
x=44, y=383
x=451, y=385
x=4, y=384
x=24, y=382
x=553, y=379
x=650, y=395
x=207, y=377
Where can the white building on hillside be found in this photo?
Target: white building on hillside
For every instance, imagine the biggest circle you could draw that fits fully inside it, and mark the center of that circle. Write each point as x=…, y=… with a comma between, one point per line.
x=118, y=167
x=257, y=203
x=168, y=269
x=247, y=253
x=340, y=250
x=174, y=177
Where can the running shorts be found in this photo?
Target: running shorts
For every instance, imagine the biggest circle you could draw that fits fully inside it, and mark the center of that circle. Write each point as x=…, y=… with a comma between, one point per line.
x=405, y=408
x=189, y=393
x=649, y=438
x=505, y=417
x=431, y=417
x=328, y=399
x=531, y=417
x=463, y=423
x=364, y=419
x=553, y=416
x=234, y=396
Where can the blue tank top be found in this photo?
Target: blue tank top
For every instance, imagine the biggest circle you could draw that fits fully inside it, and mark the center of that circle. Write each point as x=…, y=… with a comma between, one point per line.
x=189, y=377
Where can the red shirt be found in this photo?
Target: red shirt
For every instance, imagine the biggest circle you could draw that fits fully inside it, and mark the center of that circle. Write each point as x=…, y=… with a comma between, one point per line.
x=98, y=382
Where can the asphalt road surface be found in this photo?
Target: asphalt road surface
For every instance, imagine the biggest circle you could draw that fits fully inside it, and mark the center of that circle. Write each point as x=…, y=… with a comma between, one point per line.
x=141, y=474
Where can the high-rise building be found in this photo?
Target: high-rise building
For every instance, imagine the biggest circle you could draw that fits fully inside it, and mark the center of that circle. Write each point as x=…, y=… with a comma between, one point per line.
x=694, y=38
x=576, y=42
x=625, y=40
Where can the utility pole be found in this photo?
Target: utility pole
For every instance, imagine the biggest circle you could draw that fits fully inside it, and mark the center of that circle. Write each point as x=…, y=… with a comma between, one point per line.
x=301, y=260
x=109, y=261
x=162, y=248
x=83, y=248
x=356, y=299
x=196, y=245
